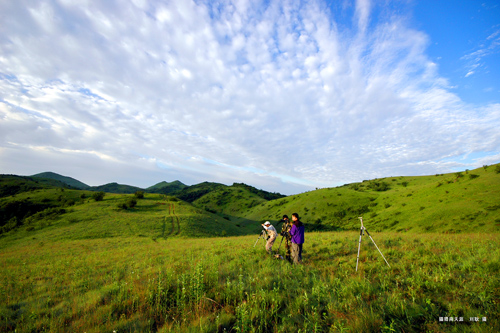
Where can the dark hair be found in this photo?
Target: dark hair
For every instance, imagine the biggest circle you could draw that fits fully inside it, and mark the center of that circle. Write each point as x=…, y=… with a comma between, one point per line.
x=285, y=217
x=298, y=222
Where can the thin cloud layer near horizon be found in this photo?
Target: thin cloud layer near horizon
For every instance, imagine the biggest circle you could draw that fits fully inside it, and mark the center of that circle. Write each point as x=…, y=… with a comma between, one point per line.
x=286, y=96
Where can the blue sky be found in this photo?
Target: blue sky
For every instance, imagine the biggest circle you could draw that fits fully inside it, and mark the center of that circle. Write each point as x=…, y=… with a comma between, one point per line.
x=465, y=44
x=286, y=96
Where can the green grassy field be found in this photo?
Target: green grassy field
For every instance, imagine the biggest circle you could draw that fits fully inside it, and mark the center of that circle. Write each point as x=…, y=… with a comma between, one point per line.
x=136, y=284
x=71, y=263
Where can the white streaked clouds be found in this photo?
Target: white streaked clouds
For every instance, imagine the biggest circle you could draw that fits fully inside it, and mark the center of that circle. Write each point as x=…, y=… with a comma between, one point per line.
x=275, y=94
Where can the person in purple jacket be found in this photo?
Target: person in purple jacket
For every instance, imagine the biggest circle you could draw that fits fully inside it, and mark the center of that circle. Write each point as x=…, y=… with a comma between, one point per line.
x=297, y=233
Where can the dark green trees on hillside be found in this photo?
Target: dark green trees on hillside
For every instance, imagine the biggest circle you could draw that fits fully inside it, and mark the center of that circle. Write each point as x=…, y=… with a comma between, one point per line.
x=98, y=196
x=378, y=186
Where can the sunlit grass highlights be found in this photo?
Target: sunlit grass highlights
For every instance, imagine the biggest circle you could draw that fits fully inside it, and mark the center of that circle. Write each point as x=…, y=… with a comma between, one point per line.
x=208, y=285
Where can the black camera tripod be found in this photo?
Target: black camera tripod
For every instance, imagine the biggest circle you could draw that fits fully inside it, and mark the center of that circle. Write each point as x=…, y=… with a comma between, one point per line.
x=285, y=234
x=263, y=235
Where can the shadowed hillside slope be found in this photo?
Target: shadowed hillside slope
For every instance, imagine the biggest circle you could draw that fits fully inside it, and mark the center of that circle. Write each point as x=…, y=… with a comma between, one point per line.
x=63, y=179
x=12, y=184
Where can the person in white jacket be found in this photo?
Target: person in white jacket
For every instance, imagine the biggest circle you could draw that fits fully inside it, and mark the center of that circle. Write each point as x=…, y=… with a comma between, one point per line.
x=271, y=232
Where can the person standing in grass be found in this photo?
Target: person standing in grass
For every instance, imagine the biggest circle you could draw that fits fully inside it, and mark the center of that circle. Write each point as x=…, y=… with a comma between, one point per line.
x=271, y=232
x=285, y=232
x=297, y=233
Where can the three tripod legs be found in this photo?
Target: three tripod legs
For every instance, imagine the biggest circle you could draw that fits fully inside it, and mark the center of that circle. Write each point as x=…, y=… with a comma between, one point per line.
x=359, y=245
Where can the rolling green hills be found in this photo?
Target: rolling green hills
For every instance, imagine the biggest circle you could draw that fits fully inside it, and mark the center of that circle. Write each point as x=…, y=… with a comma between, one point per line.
x=457, y=202
x=449, y=203
x=39, y=209
x=74, y=214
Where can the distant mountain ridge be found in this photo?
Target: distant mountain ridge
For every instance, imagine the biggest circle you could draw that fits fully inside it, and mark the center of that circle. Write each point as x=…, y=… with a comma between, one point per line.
x=67, y=180
x=166, y=187
x=116, y=188
x=175, y=188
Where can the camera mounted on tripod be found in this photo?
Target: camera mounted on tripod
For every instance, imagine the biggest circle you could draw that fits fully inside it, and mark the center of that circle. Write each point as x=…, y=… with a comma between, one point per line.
x=263, y=235
x=285, y=235
x=285, y=228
